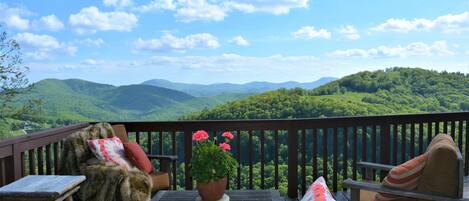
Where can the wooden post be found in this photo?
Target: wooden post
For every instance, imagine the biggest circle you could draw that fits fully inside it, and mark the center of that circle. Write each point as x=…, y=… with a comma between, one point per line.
x=292, y=162
x=385, y=145
x=187, y=159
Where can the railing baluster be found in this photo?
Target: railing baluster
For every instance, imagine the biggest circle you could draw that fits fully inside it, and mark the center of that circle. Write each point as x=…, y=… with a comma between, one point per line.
x=394, y=144
x=149, y=143
x=466, y=154
x=160, y=145
x=403, y=142
x=238, y=156
x=32, y=165
x=315, y=153
x=453, y=132
x=345, y=155
x=412, y=140
x=40, y=161
x=276, y=158
x=334, y=161
x=262, y=158
x=187, y=159
x=364, y=152
x=250, y=147
x=324, y=153
x=460, y=138
x=354, y=151
x=56, y=158
x=174, y=152
x=445, y=127
x=429, y=132
x=48, y=160
x=420, y=138
x=373, y=148
x=303, y=161
x=137, y=137
x=437, y=128
x=292, y=162
x=385, y=152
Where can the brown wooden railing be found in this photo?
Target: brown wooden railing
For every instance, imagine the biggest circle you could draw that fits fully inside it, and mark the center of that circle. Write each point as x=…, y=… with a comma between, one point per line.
x=328, y=147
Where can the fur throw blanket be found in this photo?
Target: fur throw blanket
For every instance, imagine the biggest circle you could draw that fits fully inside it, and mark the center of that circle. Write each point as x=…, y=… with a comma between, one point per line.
x=105, y=181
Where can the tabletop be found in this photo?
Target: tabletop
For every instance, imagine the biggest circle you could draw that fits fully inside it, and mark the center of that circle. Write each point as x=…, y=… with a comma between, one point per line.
x=41, y=186
x=235, y=195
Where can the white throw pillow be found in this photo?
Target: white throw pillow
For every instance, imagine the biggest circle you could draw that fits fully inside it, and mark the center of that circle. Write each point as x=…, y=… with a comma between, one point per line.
x=318, y=191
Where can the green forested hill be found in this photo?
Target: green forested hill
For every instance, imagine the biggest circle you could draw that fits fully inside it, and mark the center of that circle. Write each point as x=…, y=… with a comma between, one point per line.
x=395, y=90
x=79, y=100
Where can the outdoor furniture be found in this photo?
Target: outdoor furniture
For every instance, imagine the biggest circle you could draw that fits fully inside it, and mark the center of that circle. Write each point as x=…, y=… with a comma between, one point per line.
x=42, y=188
x=235, y=195
x=115, y=182
x=365, y=190
x=161, y=178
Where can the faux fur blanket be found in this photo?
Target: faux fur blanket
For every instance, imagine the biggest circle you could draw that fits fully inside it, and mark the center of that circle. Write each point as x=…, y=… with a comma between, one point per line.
x=105, y=181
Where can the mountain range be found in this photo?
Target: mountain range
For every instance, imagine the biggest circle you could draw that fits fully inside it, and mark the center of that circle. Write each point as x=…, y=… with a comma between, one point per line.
x=201, y=90
x=80, y=100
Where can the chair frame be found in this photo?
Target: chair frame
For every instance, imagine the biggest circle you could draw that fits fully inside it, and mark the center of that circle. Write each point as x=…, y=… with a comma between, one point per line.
x=356, y=186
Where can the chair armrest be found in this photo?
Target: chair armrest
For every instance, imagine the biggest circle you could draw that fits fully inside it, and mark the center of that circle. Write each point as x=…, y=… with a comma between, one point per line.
x=375, y=166
x=163, y=157
x=356, y=186
x=165, y=161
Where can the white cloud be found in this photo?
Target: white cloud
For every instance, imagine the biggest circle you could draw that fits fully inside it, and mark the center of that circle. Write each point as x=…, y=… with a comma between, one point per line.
x=41, y=47
x=155, y=5
x=412, y=49
x=275, y=7
x=350, y=32
x=200, y=10
x=203, y=10
x=467, y=52
x=14, y=17
x=91, y=62
x=15, y=21
x=239, y=40
x=117, y=3
x=90, y=20
x=233, y=62
x=451, y=23
x=309, y=32
x=50, y=22
x=98, y=42
x=168, y=42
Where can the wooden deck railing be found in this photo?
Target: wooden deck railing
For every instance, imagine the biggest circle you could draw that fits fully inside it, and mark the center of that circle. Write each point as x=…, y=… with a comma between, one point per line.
x=328, y=147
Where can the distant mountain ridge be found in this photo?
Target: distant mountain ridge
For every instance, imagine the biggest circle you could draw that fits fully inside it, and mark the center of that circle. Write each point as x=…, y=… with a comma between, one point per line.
x=392, y=91
x=218, y=88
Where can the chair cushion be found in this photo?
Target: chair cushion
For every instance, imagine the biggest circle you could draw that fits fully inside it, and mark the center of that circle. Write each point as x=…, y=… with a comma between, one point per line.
x=160, y=181
x=405, y=176
x=109, y=149
x=440, y=175
x=138, y=157
x=119, y=131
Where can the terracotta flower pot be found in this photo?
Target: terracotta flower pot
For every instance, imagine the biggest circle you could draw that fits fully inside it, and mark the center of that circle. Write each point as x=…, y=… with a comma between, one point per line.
x=212, y=191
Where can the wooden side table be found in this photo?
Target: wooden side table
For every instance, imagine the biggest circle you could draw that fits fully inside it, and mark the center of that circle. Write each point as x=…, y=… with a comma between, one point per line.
x=42, y=188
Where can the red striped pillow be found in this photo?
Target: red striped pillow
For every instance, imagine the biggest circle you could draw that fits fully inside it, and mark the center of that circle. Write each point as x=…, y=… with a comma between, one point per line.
x=404, y=176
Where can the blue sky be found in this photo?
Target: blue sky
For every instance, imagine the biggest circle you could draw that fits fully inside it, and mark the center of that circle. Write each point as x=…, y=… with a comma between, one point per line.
x=201, y=41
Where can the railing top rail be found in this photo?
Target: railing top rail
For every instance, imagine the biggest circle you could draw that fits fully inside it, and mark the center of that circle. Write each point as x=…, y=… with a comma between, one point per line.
x=392, y=116
x=298, y=123
x=42, y=134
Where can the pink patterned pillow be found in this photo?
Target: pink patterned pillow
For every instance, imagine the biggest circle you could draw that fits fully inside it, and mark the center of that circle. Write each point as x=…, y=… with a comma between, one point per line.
x=110, y=149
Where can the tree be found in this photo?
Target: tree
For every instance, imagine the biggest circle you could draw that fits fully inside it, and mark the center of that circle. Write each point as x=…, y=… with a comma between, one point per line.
x=13, y=82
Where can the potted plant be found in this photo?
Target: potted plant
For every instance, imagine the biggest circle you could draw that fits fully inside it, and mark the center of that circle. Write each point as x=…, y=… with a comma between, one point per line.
x=211, y=164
